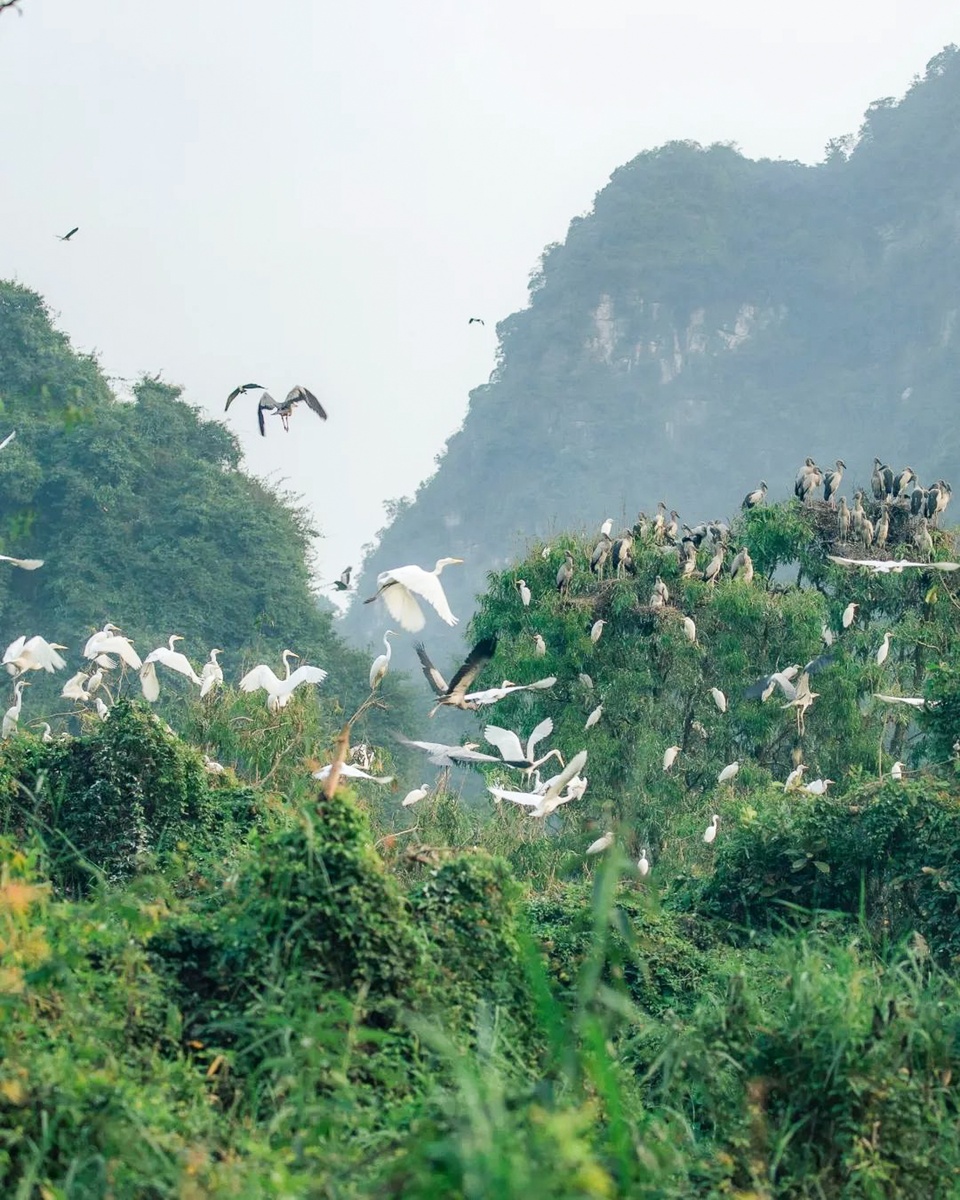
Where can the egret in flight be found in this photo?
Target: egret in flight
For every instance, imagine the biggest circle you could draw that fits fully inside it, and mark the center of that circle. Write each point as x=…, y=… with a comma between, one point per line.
x=400, y=586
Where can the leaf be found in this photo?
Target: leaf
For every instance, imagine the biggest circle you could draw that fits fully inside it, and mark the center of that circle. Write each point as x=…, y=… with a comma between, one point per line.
x=823, y=867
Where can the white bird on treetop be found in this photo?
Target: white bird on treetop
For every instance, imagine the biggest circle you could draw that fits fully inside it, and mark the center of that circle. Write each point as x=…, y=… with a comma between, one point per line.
x=399, y=586
x=109, y=640
x=817, y=787
x=597, y=630
x=601, y=844
x=690, y=629
x=212, y=674
x=594, y=717
x=415, y=795
x=102, y=711
x=525, y=594
x=279, y=691
x=728, y=772
x=381, y=664
x=74, y=688
x=884, y=649
x=719, y=699
x=605, y=528
x=670, y=756
x=793, y=779
x=848, y=614
x=710, y=833
x=896, y=771
x=12, y=715
x=173, y=660
x=643, y=863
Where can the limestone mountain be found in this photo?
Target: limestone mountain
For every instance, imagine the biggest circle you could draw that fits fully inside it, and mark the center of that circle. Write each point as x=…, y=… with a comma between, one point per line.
x=711, y=322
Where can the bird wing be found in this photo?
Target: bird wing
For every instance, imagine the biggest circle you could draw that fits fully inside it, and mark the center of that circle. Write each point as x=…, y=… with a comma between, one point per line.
x=539, y=685
x=559, y=782
x=913, y=701
x=527, y=799
x=755, y=690
x=260, y=677
x=507, y=742
x=476, y=660
x=818, y=664
x=425, y=584
x=149, y=682
x=847, y=562
x=120, y=646
x=67, y=236
x=8, y=439
x=302, y=393
x=304, y=674
x=540, y=732
x=25, y=564
x=13, y=650
x=783, y=683
x=430, y=672
x=402, y=607
x=175, y=661
x=266, y=401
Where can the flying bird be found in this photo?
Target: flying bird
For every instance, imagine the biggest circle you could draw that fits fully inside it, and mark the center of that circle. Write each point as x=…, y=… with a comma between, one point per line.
x=167, y=657
x=67, y=236
x=516, y=755
x=476, y=321
x=454, y=693
x=441, y=755
x=887, y=566
x=343, y=583
x=25, y=564
x=33, y=654
x=109, y=640
x=399, y=586
x=284, y=408
x=242, y=391
x=7, y=440
x=911, y=701
x=351, y=772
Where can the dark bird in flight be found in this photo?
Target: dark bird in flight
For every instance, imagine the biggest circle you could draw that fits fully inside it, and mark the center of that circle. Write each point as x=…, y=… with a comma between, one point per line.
x=343, y=583
x=478, y=320
x=67, y=236
x=242, y=390
x=284, y=409
x=454, y=692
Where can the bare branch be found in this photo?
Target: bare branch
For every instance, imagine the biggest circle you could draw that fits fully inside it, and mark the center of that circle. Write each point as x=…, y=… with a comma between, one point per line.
x=342, y=745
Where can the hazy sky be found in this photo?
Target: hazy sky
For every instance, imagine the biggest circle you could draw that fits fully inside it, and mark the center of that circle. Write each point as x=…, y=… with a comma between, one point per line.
x=323, y=193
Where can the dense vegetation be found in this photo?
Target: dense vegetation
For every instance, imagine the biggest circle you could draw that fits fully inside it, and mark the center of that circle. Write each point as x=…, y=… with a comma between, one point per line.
x=711, y=322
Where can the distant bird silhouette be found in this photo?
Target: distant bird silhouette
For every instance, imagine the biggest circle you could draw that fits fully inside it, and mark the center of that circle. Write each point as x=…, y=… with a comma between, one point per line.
x=242, y=390
x=280, y=408
x=343, y=583
x=478, y=320
x=67, y=236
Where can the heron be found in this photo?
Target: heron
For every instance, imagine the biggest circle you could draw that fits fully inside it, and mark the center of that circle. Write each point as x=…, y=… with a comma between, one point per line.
x=883, y=528
x=801, y=700
x=476, y=321
x=109, y=640
x=849, y=613
x=601, y=844
x=896, y=771
x=172, y=659
x=211, y=676
x=68, y=235
x=454, y=693
x=279, y=691
x=886, y=566
x=607, y=527
x=12, y=716
x=719, y=699
x=242, y=391
x=622, y=555
x=516, y=755
x=539, y=645
x=343, y=583
x=729, y=772
x=643, y=863
x=400, y=586
x=601, y=552
x=832, y=479
x=597, y=630
x=884, y=649
x=670, y=757
x=710, y=833
x=416, y=795
x=381, y=664
x=33, y=654
x=284, y=408
x=661, y=589
x=594, y=717
x=24, y=564
x=565, y=574
x=441, y=755
x=757, y=496
x=689, y=629
x=817, y=787
x=524, y=591
x=794, y=778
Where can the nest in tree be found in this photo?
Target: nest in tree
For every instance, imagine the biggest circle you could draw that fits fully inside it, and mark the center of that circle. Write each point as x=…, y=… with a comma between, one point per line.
x=824, y=520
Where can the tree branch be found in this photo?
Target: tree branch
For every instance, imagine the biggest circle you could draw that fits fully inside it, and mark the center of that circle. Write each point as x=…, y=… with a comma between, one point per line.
x=341, y=747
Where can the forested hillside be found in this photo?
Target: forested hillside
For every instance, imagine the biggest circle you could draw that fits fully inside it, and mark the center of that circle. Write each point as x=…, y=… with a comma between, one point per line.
x=711, y=322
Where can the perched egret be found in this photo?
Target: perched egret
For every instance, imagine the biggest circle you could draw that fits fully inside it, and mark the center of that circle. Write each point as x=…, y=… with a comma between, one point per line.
x=729, y=772
x=848, y=614
x=212, y=674
x=586, y=680
x=594, y=717
x=670, y=756
x=689, y=629
x=75, y=689
x=817, y=787
x=415, y=795
x=454, y=693
x=597, y=630
x=381, y=664
x=212, y=767
x=719, y=699
x=173, y=660
x=47, y=733
x=539, y=645
x=884, y=649
x=605, y=529
x=110, y=641
x=103, y=712
x=643, y=863
x=12, y=715
x=525, y=593
x=279, y=691
x=399, y=586
x=896, y=771
x=601, y=844
x=793, y=779
x=710, y=833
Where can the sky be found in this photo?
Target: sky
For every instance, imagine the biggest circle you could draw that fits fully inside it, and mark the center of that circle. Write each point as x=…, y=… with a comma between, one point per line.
x=319, y=193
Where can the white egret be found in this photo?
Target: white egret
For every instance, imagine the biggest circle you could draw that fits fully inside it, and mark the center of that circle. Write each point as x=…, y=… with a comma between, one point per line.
x=525, y=594
x=399, y=586
x=74, y=688
x=539, y=645
x=586, y=680
x=211, y=676
x=545, y=553
x=817, y=787
x=103, y=712
x=719, y=699
x=601, y=844
x=896, y=771
x=568, y=778
x=594, y=717
x=670, y=756
x=25, y=564
x=351, y=772
x=7, y=440
x=212, y=767
x=793, y=779
x=690, y=629
x=415, y=795
x=710, y=833
x=912, y=701
x=110, y=641
x=848, y=614
x=492, y=695
x=516, y=755
x=172, y=659
x=46, y=734
x=597, y=630
x=33, y=654
x=12, y=715
x=884, y=649
x=729, y=772
x=381, y=664
x=643, y=863
x=827, y=634
x=279, y=691
x=887, y=566
x=605, y=529
x=441, y=755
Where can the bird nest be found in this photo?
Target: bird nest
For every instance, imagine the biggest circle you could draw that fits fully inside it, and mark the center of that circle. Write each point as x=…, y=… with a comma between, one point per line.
x=823, y=518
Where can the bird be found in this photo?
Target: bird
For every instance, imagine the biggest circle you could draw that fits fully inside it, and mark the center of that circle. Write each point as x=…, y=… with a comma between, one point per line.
x=902, y=481
x=817, y=787
x=601, y=552
x=279, y=691
x=643, y=863
x=848, y=614
x=381, y=664
x=415, y=795
x=765, y=686
x=793, y=779
x=594, y=717
x=729, y=772
x=887, y=566
x=883, y=528
x=586, y=680
x=212, y=767
x=670, y=756
x=351, y=772
x=884, y=649
x=801, y=699
x=103, y=712
x=494, y=694
x=719, y=699
x=525, y=594
x=242, y=391
x=67, y=236
x=7, y=440
x=400, y=586
x=75, y=689
x=109, y=640
x=516, y=755
x=831, y=480
x=454, y=693
x=911, y=701
x=660, y=589
x=343, y=583
x=25, y=564
x=742, y=566
x=284, y=408
x=843, y=520
x=565, y=573
x=33, y=654
x=46, y=734
x=476, y=321
x=622, y=555
x=211, y=676
x=710, y=833
x=711, y=572
x=441, y=755
x=12, y=715
x=540, y=646
x=607, y=527
x=757, y=496
x=596, y=630
x=167, y=657
x=896, y=771
x=689, y=629
x=601, y=844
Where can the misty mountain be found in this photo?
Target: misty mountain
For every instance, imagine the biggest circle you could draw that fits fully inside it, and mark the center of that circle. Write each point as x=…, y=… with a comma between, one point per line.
x=710, y=323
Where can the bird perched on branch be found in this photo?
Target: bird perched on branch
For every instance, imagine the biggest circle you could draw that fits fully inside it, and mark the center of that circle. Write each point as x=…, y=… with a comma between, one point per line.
x=757, y=496
x=381, y=664
x=279, y=691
